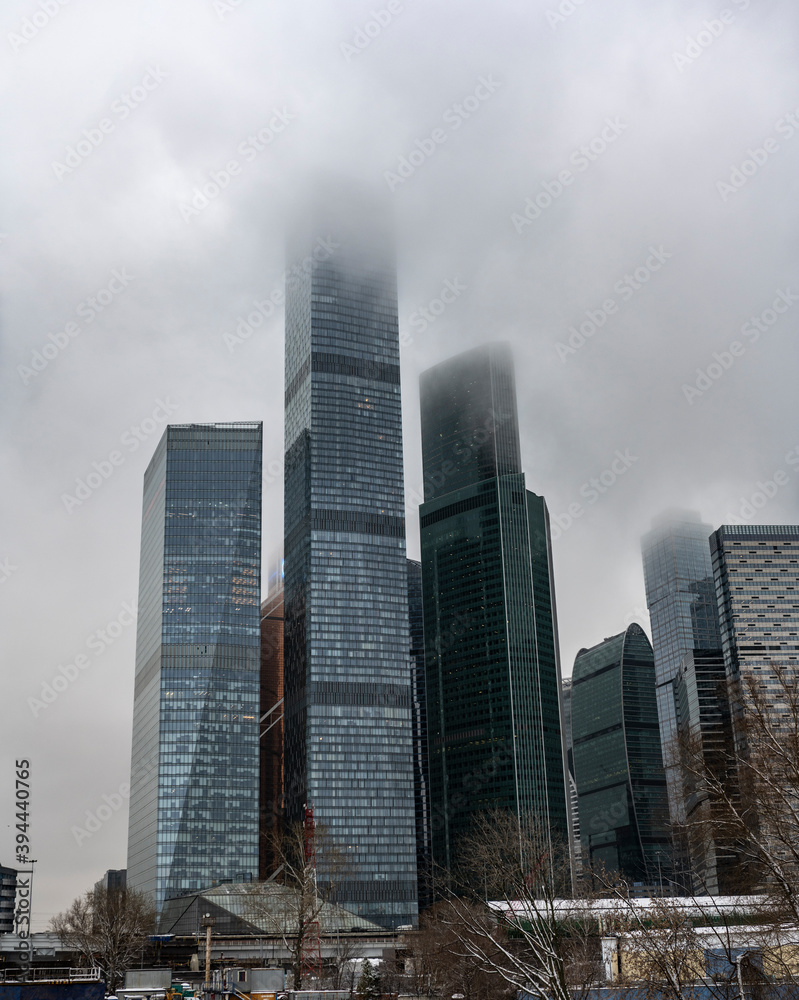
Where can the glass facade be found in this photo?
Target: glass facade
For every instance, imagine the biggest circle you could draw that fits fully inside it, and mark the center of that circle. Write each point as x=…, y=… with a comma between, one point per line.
x=756, y=571
x=618, y=765
x=195, y=761
x=703, y=710
x=271, y=728
x=421, y=768
x=681, y=597
x=491, y=654
x=349, y=724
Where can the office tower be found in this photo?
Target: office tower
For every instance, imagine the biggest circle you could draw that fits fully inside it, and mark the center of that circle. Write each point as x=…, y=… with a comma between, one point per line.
x=114, y=880
x=194, y=772
x=756, y=570
x=493, y=672
x=681, y=598
x=704, y=720
x=271, y=729
x=566, y=710
x=8, y=899
x=421, y=767
x=348, y=719
x=618, y=766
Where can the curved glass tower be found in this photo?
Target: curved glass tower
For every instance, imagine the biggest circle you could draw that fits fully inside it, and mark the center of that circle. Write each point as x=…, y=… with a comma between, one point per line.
x=618, y=763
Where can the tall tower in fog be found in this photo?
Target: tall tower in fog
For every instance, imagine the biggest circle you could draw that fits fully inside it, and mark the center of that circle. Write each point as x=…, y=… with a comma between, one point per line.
x=490, y=628
x=681, y=597
x=349, y=735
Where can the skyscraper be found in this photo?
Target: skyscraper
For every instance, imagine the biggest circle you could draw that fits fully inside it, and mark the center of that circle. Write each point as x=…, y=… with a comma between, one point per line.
x=491, y=652
x=618, y=765
x=195, y=764
x=756, y=571
x=349, y=735
x=704, y=720
x=271, y=729
x=568, y=739
x=681, y=597
x=421, y=765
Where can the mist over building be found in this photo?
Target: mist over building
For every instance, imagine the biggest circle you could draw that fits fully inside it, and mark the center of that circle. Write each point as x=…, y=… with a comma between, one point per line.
x=348, y=707
x=490, y=627
x=681, y=597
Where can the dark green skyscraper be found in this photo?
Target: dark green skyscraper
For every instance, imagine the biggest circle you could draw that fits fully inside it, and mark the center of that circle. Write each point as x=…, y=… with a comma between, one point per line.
x=491, y=650
x=618, y=763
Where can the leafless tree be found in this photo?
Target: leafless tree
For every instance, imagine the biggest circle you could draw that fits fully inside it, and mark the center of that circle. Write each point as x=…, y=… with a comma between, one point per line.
x=751, y=789
x=532, y=937
x=290, y=904
x=108, y=928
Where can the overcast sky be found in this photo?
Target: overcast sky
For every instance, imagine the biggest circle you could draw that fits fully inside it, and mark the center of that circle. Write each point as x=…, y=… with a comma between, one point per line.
x=556, y=153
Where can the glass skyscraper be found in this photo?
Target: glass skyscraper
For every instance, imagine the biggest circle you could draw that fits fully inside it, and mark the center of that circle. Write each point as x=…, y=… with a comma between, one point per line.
x=348, y=720
x=195, y=762
x=618, y=765
x=756, y=571
x=491, y=652
x=681, y=597
x=421, y=766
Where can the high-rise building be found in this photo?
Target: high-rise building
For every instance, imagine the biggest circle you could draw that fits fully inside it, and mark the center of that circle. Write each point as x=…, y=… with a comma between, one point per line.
x=348, y=719
x=491, y=649
x=618, y=765
x=681, y=597
x=704, y=720
x=114, y=880
x=8, y=899
x=568, y=739
x=195, y=763
x=271, y=730
x=756, y=571
x=421, y=766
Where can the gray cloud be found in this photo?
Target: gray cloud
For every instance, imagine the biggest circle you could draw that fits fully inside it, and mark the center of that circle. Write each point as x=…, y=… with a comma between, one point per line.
x=228, y=70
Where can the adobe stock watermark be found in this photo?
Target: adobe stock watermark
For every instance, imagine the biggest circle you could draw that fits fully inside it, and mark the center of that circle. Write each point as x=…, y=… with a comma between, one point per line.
x=625, y=288
x=371, y=29
x=764, y=491
x=752, y=329
x=97, y=643
x=130, y=440
x=564, y=10
x=264, y=309
x=248, y=149
x=435, y=480
x=225, y=7
x=110, y=805
x=122, y=107
x=31, y=26
x=698, y=44
x=426, y=315
x=592, y=490
x=581, y=158
x=7, y=570
x=454, y=117
x=87, y=310
x=739, y=175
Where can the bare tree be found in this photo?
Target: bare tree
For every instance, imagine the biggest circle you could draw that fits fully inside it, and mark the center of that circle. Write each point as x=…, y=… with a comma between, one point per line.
x=108, y=928
x=532, y=937
x=290, y=904
x=751, y=788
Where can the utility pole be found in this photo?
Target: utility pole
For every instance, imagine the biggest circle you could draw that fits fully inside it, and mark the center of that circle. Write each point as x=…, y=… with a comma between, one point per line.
x=208, y=923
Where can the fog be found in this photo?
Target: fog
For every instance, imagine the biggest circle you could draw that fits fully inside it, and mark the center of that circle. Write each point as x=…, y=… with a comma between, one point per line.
x=611, y=187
